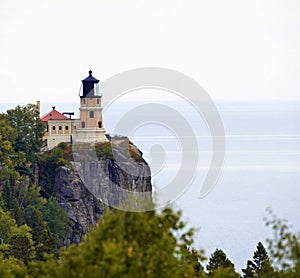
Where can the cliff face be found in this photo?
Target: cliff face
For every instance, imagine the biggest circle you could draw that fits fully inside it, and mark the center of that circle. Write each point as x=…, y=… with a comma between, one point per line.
x=82, y=207
x=85, y=192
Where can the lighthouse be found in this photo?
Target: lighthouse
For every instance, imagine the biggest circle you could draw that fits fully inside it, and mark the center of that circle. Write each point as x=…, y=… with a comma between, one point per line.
x=91, y=127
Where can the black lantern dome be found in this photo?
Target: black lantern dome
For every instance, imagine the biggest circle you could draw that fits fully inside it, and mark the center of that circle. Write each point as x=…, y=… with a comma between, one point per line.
x=90, y=86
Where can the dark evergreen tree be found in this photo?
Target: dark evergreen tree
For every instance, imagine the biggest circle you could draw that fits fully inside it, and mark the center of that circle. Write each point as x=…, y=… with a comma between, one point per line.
x=194, y=257
x=49, y=162
x=8, y=194
x=260, y=266
x=21, y=247
x=218, y=260
x=41, y=235
x=250, y=270
x=56, y=218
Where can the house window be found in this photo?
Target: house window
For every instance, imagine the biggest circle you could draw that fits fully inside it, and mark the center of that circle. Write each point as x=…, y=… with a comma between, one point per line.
x=83, y=101
x=47, y=128
x=53, y=127
x=98, y=101
x=60, y=127
x=82, y=124
x=67, y=128
x=99, y=124
x=91, y=114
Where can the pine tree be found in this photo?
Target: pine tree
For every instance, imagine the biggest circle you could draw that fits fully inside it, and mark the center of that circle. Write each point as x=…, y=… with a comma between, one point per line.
x=218, y=260
x=56, y=218
x=21, y=244
x=260, y=266
x=41, y=235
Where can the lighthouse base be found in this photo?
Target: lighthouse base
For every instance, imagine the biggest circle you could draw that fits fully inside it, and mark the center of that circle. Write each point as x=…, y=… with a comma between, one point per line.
x=90, y=135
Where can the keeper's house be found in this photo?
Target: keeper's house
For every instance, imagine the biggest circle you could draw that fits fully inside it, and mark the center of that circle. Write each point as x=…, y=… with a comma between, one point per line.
x=58, y=128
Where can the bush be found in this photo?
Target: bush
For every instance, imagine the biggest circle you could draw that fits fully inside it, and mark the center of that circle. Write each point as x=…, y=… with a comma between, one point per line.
x=104, y=150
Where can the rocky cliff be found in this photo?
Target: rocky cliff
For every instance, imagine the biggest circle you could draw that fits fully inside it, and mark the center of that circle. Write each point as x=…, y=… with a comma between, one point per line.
x=99, y=177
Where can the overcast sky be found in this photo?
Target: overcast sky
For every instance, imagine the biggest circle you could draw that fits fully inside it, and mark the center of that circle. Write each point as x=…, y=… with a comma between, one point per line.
x=234, y=49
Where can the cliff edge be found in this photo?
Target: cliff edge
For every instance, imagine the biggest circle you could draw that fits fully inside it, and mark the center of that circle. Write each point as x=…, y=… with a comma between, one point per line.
x=96, y=178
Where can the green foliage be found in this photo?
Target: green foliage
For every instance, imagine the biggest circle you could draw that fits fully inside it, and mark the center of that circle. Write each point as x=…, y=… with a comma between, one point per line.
x=43, y=240
x=8, y=156
x=15, y=240
x=49, y=163
x=284, y=247
x=260, y=266
x=135, y=154
x=66, y=151
x=13, y=194
x=12, y=268
x=219, y=260
x=25, y=120
x=21, y=244
x=127, y=244
x=53, y=159
x=56, y=218
x=222, y=272
x=194, y=258
x=21, y=202
x=7, y=225
x=33, y=200
x=104, y=150
x=63, y=146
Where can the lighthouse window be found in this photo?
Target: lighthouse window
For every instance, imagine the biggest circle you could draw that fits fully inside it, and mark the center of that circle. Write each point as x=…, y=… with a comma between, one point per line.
x=98, y=100
x=99, y=124
x=82, y=124
x=91, y=114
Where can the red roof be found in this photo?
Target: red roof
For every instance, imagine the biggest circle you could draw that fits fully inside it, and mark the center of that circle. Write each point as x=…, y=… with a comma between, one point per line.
x=53, y=115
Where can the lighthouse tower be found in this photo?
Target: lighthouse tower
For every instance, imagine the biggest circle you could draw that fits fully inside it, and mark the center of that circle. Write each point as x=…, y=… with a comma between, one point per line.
x=91, y=128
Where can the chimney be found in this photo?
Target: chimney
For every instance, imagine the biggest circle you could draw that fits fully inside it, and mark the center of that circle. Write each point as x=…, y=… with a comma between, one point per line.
x=38, y=105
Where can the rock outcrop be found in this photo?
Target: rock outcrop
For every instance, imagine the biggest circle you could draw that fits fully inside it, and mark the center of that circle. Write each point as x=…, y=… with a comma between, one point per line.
x=92, y=183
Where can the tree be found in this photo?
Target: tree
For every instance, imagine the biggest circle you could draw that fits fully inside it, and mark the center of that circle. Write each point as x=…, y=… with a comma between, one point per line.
x=195, y=257
x=49, y=163
x=56, y=218
x=284, y=247
x=7, y=223
x=12, y=268
x=8, y=137
x=21, y=244
x=15, y=240
x=127, y=244
x=44, y=241
x=26, y=121
x=218, y=260
x=14, y=193
x=41, y=235
x=260, y=266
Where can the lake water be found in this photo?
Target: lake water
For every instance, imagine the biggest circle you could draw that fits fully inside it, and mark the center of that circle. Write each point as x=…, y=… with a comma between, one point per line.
x=261, y=169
